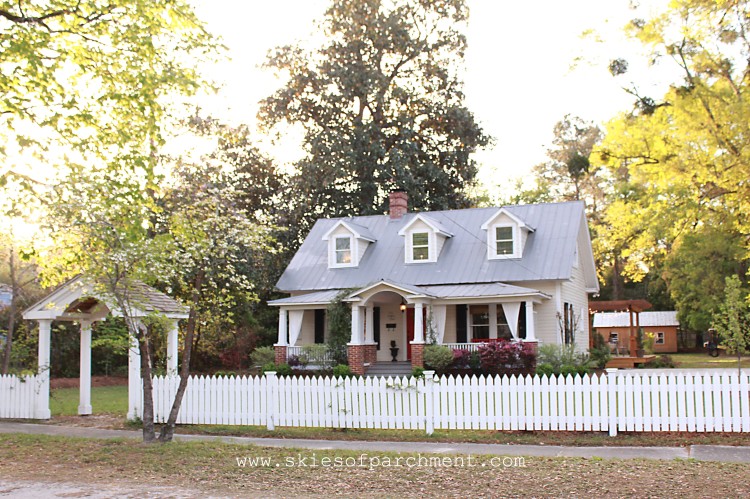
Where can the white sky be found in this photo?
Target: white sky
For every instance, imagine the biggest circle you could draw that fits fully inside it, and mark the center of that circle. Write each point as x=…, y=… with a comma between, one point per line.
x=518, y=78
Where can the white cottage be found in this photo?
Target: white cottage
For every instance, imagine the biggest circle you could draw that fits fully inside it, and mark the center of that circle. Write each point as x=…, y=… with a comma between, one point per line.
x=457, y=277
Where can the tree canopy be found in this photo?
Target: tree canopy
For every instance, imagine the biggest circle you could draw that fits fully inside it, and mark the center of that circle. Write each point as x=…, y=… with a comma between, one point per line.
x=381, y=105
x=95, y=77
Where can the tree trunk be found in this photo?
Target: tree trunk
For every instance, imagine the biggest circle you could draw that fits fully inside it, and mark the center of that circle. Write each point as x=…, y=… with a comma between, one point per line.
x=617, y=284
x=167, y=431
x=149, y=433
x=140, y=332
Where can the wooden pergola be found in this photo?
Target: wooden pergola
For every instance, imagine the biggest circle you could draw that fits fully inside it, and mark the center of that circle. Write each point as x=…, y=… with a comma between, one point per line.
x=79, y=301
x=633, y=307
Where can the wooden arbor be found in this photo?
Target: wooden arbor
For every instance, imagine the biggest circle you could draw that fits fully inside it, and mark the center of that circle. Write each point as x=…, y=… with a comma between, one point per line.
x=633, y=307
x=78, y=301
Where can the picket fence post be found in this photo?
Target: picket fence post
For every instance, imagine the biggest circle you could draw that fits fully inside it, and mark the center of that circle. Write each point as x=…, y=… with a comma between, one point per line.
x=272, y=388
x=612, y=400
x=429, y=407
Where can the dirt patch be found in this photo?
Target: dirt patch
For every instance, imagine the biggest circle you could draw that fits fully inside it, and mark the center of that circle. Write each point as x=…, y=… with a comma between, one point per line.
x=95, y=381
x=105, y=421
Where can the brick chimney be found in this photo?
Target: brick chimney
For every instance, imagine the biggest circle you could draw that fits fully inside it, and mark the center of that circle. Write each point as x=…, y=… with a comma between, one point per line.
x=398, y=201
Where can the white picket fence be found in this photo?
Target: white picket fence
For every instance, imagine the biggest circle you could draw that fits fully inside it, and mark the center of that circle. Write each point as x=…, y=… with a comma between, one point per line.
x=19, y=396
x=700, y=401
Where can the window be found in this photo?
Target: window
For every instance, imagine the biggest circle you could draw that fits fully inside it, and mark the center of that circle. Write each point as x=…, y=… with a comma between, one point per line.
x=480, y=321
x=420, y=246
x=659, y=338
x=568, y=324
x=614, y=338
x=343, y=250
x=504, y=240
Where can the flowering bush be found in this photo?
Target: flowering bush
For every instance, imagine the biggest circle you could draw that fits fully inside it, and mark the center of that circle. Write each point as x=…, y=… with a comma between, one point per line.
x=503, y=356
x=499, y=357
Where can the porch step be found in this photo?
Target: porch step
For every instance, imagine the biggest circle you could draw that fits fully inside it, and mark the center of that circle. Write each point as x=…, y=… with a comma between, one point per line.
x=389, y=369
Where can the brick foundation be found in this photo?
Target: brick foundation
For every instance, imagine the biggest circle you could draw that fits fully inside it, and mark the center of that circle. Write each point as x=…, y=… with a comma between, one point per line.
x=356, y=355
x=417, y=355
x=280, y=351
x=371, y=354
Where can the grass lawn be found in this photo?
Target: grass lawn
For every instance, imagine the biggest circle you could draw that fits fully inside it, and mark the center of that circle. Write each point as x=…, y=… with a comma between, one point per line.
x=104, y=400
x=704, y=361
x=214, y=468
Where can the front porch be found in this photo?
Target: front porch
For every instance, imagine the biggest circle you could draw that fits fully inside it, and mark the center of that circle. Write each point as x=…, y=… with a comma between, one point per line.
x=393, y=322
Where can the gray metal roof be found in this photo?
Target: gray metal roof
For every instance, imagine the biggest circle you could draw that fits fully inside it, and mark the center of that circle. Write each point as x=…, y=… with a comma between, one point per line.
x=645, y=319
x=478, y=290
x=314, y=298
x=548, y=255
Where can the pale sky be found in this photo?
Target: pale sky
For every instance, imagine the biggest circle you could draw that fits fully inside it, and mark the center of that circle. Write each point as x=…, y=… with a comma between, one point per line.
x=518, y=76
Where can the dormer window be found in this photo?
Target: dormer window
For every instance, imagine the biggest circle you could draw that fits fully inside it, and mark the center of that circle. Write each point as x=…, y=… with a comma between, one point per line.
x=504, y=240
x=424, y=239
x=506, y=235
x=343, y=250
x=420, y=246
x=347, y=244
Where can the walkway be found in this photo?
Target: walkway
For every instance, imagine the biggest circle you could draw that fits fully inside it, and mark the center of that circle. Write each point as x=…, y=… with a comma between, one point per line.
x=698, y=452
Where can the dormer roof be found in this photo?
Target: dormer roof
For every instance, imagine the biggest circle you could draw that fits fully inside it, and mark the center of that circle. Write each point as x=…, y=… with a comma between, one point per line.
x=358, y=231
x=515, y=218
x=430, y=222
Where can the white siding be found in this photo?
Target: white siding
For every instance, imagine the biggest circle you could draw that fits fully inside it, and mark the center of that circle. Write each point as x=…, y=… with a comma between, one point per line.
x=574, y=292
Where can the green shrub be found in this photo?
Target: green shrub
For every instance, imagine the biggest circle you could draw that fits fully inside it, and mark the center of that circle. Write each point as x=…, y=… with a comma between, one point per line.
x=438, y=357
x=226, y=374
x=545, y=369
x=660, y=362
x=280, y=369
x=342, y=371
x=262, y=356
x=417, y=372
x=268, y=367
x=564, y=359
x=284, y=370
x=600, y=353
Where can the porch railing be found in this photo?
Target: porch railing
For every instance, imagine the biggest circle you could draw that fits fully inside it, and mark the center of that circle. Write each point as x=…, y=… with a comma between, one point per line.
x=310, y=355
x=475, y=344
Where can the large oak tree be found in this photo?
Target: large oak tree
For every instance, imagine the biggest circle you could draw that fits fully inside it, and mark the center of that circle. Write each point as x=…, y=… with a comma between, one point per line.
x=382, y=106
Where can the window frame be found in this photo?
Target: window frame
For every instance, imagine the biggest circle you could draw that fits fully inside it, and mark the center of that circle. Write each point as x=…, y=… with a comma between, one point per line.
x=410, y=247
x=515, y=241
x=663, y=336
x=334, y=252
x=473, y=325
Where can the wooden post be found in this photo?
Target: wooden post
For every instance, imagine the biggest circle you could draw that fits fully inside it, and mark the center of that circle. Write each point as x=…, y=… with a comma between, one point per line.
x=135, y=397
x=272, y=389
x=612, y=400
x=429, y=401
x=42, y=405
x=172, y=349
x=84, y=380
x=633, y=343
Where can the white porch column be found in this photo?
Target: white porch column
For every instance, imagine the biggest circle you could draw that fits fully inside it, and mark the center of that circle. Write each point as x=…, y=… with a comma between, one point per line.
x=493, y=320
x=42, y=406
x=530, y=327
x=356, y=338
x=84, y=379
x=369, y=330
x=418, y=323
x=135, y=400
x=282, y=341
x=172, y=340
